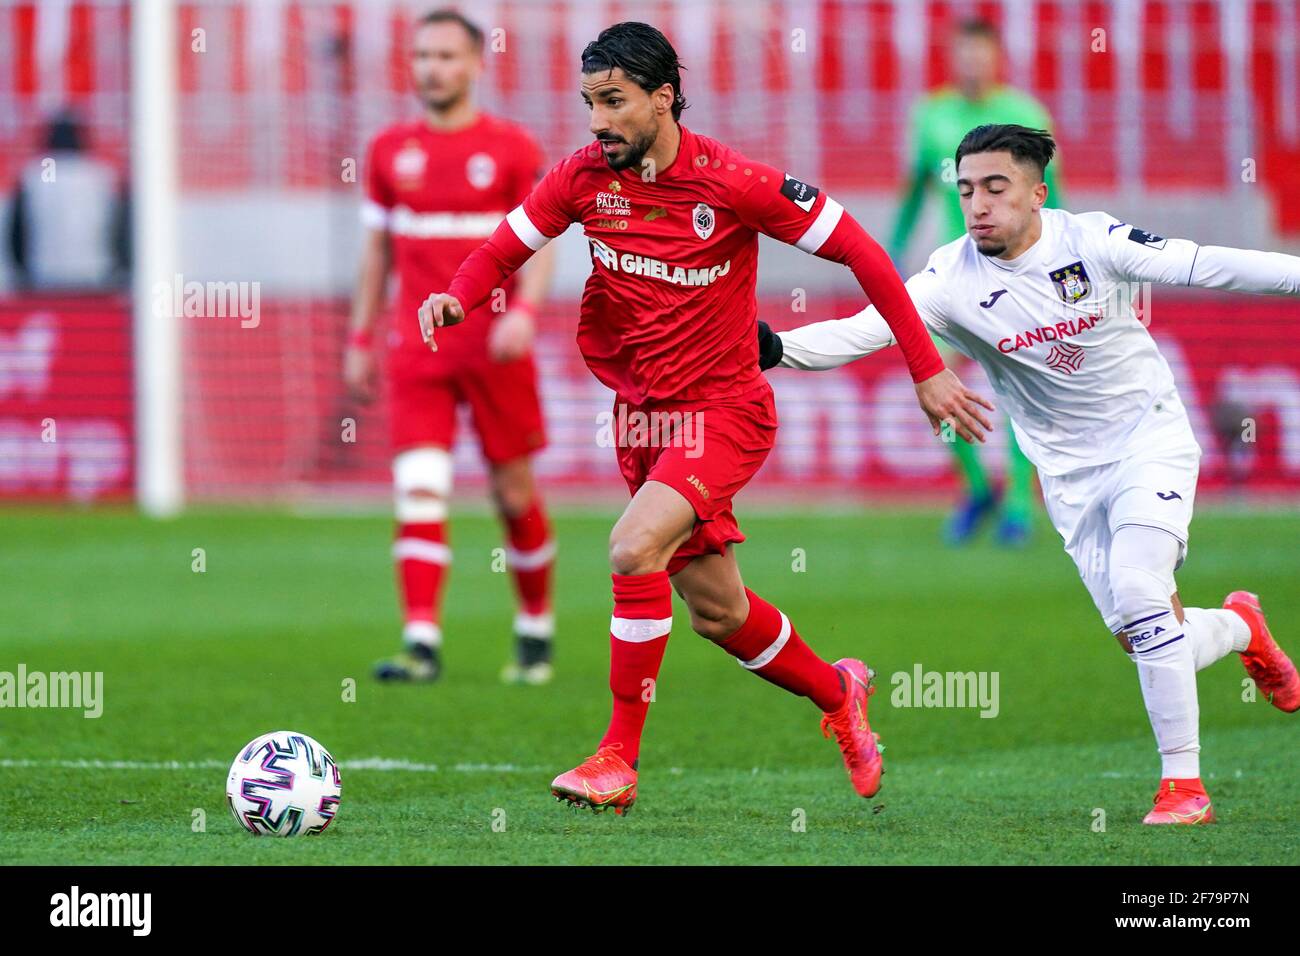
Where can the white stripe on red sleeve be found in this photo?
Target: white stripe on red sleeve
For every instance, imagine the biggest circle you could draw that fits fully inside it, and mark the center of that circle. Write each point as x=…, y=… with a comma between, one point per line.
x=528, y=234
x=373, y=215
x=822, y=227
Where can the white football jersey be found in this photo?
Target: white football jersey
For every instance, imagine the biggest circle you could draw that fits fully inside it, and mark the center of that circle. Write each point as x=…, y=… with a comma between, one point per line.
x=1056, y=332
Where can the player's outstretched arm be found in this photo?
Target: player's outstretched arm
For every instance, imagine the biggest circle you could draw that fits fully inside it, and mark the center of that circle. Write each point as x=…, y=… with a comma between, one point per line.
x=485, y=269
x=1137, y=254
x=794, y=212
x=836, y=342
x=543, y=215
x=1247, y=270
x=939, y=391
x=825, y=345
x=849, y=244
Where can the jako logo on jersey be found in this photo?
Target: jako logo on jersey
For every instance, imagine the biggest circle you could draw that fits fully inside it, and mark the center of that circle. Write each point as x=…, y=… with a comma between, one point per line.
x=1168, y=495
x=1065, y=358
x=655, y=268
x=481, y=170
x=658, y=212
x=1071, y=282
x=703, y=220
x=801, y=194
x=993, y=298
x=1047, y=333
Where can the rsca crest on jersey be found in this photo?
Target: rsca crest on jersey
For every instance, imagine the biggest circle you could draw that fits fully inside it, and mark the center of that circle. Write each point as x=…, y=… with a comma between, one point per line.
x=799, y=193
x=481, y=170
x=1071, y=282
x=1065, y=358
x=703, y=220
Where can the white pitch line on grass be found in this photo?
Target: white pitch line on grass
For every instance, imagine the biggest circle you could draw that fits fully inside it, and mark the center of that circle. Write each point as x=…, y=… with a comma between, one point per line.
x=382, y=764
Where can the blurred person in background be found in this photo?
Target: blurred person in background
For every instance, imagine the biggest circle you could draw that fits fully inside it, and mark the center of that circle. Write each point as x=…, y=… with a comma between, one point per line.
x=436, y=187
x=68, y=228
x=939, y=121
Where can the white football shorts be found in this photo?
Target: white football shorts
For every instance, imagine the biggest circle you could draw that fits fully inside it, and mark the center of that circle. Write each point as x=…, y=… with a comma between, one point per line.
x=1154, y=489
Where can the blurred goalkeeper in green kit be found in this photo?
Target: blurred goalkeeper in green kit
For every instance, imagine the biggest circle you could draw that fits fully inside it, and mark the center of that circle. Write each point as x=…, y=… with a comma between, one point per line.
x=938, y=123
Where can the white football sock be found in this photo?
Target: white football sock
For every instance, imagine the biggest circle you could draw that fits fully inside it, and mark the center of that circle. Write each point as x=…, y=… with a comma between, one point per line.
x=1141, y=581
x=1214, y=634
x=422, y=632
x=1167, y=673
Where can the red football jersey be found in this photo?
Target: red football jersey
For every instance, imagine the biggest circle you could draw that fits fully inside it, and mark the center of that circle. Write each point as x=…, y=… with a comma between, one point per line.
x=439, y=194
x=669, y=310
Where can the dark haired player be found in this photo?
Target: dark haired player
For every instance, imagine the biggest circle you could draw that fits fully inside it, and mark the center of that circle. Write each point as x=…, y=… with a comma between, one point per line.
x=668, y=322
x=1043, y=300
x=435, y=188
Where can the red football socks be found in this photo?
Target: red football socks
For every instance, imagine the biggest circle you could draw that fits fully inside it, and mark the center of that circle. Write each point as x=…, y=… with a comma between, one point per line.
x=768, y=645
x=421, y=554
x=531, y=556
x=643, y=611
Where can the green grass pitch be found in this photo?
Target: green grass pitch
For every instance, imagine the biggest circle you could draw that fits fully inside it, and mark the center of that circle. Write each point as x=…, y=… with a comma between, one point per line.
x=733, y=769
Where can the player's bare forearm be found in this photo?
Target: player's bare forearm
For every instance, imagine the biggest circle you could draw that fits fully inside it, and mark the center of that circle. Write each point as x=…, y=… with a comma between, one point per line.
x=372, y=282
x=360, y=371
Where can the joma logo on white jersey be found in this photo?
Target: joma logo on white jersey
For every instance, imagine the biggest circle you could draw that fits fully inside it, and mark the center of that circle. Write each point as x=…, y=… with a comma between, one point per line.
x=656, y=268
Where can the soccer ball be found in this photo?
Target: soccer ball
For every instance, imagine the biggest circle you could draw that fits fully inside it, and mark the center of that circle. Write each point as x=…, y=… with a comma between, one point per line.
x=283, y=784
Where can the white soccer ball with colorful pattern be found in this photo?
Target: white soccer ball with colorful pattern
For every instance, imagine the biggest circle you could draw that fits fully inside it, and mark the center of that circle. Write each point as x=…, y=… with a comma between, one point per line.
x=283, y=784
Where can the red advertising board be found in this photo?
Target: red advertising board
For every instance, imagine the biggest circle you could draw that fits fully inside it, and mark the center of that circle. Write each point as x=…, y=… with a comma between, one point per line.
x=265, y=416
x=66, y=420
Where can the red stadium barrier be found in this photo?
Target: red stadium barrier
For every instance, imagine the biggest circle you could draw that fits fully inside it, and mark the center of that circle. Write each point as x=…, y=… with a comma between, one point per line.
x=265, y=414
x=66, y=410
x=854, y=430
x=276, y=99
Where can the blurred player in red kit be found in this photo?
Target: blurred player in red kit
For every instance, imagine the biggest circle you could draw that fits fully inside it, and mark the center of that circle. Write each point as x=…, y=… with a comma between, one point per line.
x=435, y=188
x=669, y=322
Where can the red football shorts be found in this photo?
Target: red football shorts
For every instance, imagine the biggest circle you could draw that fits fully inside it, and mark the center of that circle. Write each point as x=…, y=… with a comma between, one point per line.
x=426, y=388
x=706, y=451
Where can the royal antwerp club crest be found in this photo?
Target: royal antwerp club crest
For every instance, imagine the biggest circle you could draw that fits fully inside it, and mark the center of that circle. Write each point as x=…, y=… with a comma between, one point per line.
x=1071, y=282
x=703, y=220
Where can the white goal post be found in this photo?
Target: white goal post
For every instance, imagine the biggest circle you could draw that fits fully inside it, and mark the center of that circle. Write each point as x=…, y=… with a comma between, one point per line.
x=154, y=235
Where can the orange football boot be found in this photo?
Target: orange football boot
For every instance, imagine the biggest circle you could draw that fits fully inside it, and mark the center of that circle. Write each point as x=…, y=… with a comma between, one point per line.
x=1181, y=801
x=601, y=781
x=852, y=732
x=1265, y=662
